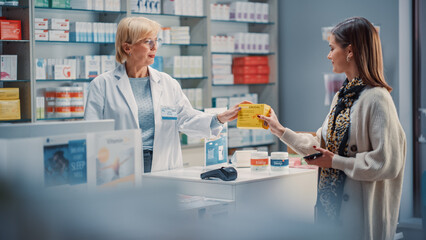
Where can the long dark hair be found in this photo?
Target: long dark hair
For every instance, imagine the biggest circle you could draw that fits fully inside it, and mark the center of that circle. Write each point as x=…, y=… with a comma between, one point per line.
x=366, y=47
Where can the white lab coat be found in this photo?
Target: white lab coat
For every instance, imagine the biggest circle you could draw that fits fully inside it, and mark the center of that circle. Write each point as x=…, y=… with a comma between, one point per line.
x=110, y=96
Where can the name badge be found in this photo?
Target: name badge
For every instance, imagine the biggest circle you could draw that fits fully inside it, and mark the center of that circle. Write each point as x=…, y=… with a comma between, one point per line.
x=168, y=113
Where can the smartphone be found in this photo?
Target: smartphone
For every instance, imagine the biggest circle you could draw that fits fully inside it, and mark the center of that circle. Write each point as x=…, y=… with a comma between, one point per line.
x=313, y=156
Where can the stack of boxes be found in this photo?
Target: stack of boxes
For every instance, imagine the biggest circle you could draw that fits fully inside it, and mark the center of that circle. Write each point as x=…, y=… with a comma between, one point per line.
x=54, y=29
x=183, y=7
x=241, y=43
x=9, y=104
x=145, y=6
x=175, y=35
x=195, y=97
x=74, y=67
x=10, y=29
x=221, y=69
x=9, y=2
x=249, y=12
x=93, y=32
x=61, y=102
x=184, y=66
x=251, y=70
x=99, y=5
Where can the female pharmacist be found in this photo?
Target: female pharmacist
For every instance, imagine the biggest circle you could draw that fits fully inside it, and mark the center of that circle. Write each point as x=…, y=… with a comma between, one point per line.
x=362, y=142
x=138, y=96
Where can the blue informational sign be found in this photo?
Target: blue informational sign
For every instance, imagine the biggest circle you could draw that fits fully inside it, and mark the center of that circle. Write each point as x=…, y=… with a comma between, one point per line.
x=216, y=149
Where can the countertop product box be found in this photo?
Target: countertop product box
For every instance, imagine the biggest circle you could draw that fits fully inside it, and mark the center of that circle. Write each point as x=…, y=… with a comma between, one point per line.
x=247, y=116
x=59, y=24
x=59, y=35
x=41, y=35
x=41, y=23
x=8, y=67
x=9, y=93
x=10, y=109
x=10, y=30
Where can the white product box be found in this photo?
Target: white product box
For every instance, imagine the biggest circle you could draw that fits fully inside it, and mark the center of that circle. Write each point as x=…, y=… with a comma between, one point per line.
x=88, y=29
x=81, y=4
x=214, y=11
x=265, y=12
x=8, y=67
x=107, y=63
x=199, y=8
x=221, y=69
x=219, y=102
x=265, y=40
x=92, y=66
x=252, y=42
x=173, y=7
x=172, y=66
x=223, y=79
x=239, y=42
x=41, y=23
x=66, y=70
x=59, y=35
x=247, y=43
x=230, y=44
x=185, y=66
x=41, y=70
x=41, y=35
x=49, y=68
x=59, y=24
x=98, y=5
x=191, y=96
x=40, y=107
x=258, y=12
x=245, y=10
x=224, y=12
x=236, y=11
x=225, y=59
x=251, y=11
x=196, y=66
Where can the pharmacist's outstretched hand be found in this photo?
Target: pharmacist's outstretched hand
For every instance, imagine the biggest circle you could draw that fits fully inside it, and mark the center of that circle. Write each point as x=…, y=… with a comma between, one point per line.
x=325, y=161
x=231, y=113
x=276, y=128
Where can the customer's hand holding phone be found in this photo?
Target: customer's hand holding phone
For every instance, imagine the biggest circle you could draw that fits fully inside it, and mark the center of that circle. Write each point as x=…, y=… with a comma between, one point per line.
x=323, y=158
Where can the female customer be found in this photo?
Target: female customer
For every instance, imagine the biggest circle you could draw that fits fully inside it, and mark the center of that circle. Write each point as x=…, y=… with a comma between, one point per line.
x=138, y=96
x=362, y=142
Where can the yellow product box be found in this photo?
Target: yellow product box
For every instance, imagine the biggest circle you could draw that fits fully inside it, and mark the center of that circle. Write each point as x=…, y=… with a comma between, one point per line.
x=10, y=110
x=9, y=93
x=247, y=117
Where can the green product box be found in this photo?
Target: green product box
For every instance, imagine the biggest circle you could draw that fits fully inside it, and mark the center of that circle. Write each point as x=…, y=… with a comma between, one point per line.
x=60, y=4
x=42, y=3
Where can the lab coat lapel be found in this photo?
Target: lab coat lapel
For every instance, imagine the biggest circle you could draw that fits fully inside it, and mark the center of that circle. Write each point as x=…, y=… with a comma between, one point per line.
x=156, y=90
x=123, y=84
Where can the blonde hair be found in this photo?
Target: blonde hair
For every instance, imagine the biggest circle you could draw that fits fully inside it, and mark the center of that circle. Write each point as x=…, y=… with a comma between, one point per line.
x=130, y=30
x=366, y=47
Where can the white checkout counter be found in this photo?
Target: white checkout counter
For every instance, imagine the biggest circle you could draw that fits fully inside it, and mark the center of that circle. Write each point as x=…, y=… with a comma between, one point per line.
x=291, y=192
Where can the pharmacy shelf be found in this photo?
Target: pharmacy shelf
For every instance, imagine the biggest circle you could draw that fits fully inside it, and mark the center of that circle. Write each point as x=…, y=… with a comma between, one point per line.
x=14, y=81
x=243, y=84
x=192, y=78
x=58, y=119
x=168, y=15
x=72, y=42
x=80, y=10
x=185, y=44
x=253, y=145
x=245, y=54
x=15, y=41
x=12, y=6
x=66, y=80
x=15, y=121
x=244, y=22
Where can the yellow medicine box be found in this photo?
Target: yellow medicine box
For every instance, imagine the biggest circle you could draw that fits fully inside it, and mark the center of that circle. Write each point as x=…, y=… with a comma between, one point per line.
x=9, y=93
x=247, y=117
x=10, y=110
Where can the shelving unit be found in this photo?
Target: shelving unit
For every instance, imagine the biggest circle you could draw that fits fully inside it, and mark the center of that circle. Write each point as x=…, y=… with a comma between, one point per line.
x=201, y=28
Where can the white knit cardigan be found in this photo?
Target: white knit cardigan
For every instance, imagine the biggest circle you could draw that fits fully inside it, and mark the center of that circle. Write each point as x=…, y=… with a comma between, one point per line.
x=374, y=166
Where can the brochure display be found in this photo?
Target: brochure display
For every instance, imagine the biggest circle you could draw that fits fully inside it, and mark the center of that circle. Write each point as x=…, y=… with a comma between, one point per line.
x=64, y=161
x=216, y=149
x=114, y=158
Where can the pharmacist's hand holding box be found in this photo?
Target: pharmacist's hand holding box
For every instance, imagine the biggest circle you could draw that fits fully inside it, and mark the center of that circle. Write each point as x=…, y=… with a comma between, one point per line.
x=248, y=116
x=232, y=113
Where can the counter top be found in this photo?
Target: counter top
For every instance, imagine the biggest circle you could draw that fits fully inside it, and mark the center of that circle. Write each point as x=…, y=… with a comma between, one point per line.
x=245, y=175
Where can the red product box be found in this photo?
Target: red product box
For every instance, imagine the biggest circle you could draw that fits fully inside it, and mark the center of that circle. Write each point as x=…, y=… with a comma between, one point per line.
x=251, y=60
x=251, y=78
x=10, y=30
x=251, y=69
